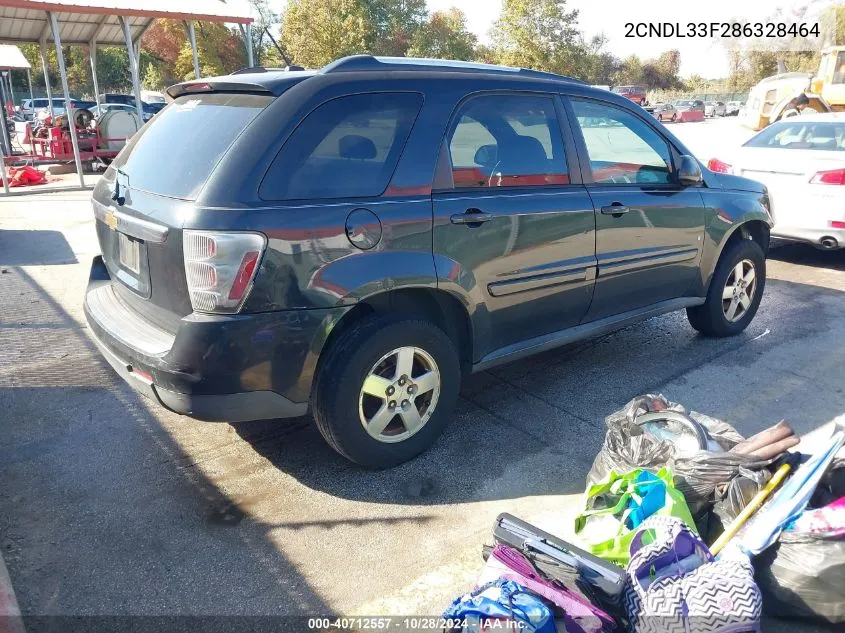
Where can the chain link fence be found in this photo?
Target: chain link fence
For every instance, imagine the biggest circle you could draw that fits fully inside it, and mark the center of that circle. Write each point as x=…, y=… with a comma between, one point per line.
x=670, y=96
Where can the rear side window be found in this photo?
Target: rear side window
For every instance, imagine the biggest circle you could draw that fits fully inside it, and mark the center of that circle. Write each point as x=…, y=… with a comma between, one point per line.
x=346, y=147
x=176, y=152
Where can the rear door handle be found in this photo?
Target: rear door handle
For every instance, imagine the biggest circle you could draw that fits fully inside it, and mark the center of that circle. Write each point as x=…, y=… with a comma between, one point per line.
x=471, y=217
x=616, y=209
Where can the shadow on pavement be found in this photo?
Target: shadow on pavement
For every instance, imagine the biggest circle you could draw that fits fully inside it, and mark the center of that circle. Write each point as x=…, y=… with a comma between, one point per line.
x=101, y=511
x=34, y=248
x=807, y=255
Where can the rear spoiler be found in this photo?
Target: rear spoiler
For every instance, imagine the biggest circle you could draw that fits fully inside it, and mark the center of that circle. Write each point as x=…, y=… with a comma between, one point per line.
x=215, y=85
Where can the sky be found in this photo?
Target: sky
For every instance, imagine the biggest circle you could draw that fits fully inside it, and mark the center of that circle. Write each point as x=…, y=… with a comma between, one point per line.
x=699, y=56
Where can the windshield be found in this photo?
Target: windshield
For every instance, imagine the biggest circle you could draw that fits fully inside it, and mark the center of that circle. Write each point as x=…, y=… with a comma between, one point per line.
x=683, y=103
x=176, y=152
x=802, y=135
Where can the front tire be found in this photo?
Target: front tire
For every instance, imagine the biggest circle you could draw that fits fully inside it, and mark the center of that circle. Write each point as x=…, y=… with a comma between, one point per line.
x=735, y=292
x=386, y=389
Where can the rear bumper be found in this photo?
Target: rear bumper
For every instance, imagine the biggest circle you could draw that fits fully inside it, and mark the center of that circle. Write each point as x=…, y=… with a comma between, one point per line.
x=231, y=407
x=213, y=367
x=810, y=235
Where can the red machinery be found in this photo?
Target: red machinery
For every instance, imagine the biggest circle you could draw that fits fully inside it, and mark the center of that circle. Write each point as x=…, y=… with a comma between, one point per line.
x=51, y=141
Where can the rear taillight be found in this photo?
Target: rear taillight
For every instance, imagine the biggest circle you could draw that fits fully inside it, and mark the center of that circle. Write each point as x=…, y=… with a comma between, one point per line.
x=832, y=177
x=837, y=224
x=719, y=167
x=220, y=268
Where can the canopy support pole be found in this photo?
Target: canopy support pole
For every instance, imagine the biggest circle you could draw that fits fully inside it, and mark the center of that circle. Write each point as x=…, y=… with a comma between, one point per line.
x=60, y=56
x=11, y=88
x=31, y=96
x=247, y=34
x=133, y=67
x=5, y=140
x=192, y=38
x=92, y=55
x=46, y=70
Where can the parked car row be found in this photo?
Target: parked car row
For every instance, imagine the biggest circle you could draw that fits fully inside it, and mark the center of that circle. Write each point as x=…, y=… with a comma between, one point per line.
x=30, y=108
x=693, y=110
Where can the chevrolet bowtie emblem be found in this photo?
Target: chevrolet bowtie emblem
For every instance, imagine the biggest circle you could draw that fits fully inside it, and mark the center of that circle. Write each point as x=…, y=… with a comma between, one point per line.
x=110, y=219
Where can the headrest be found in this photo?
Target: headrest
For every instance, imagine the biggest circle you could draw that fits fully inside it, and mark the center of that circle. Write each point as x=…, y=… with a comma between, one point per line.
x=356, y=146
x=529, y=148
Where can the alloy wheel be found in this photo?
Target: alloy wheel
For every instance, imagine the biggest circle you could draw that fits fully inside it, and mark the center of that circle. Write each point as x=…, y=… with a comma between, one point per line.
x=738, y=294
x=399, y=394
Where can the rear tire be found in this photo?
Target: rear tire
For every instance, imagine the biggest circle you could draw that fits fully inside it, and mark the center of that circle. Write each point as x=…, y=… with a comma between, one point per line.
x=725, y=311
x=348, y=415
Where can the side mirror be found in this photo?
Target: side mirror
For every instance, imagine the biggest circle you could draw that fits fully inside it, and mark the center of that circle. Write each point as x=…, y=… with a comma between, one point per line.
x=689, y=172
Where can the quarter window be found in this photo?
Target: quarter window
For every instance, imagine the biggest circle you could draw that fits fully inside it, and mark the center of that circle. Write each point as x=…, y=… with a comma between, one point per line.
x=507, y=141
x=347, y=147
x=622, y=148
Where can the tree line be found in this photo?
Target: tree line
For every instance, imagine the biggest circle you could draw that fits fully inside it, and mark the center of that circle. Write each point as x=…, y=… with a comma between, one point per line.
x=539, y=34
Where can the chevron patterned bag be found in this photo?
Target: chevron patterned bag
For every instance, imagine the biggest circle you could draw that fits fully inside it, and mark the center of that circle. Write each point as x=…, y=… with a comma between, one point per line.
x=675, y=584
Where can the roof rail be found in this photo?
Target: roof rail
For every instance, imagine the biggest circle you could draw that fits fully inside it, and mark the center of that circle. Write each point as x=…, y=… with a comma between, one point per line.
x=369, y=62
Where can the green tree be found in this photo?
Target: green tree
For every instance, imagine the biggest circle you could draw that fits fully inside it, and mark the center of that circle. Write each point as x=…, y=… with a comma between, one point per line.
x=662, y=73
x=152, y=78
x=596, y=66
x=539, y=34
x=444, y=36
x=264, y=52
x=630, y=72
x=319, y=31
x=219, y=51
x=394, y=24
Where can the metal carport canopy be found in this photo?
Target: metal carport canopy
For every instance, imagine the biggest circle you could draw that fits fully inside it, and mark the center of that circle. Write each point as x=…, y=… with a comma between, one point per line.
x=83, y=21
x=107, y=22
x=11, y=58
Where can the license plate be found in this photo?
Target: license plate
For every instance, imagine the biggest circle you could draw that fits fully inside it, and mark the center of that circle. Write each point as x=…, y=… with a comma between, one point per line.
x=129, y=253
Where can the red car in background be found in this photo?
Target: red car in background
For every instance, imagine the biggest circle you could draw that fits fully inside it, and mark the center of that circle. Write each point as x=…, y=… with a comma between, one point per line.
x=634, y=93
x=690, y=110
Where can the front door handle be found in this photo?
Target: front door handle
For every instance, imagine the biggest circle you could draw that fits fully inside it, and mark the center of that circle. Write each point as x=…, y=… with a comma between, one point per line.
x=616, y=209
x=472, y=217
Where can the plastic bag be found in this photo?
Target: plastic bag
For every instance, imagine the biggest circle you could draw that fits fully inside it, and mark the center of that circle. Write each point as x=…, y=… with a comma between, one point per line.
x=703, y=477
x=803, y=576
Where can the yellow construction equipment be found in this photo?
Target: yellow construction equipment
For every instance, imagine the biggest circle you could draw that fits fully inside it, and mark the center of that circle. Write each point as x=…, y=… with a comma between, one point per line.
x=775, y=97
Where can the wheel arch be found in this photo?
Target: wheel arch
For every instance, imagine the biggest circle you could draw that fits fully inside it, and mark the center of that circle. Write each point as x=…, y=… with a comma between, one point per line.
x=440, y=307
x=755, y=229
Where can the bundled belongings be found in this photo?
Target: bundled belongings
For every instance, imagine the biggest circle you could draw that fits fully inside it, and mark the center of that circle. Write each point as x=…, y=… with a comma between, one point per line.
x=710, y=460
x=501, y=601
x=579, y=571
x=674, y=583
x=803, y=574
x=615, y=507
x=577, y=613
x=25, y=176
x=789, y=502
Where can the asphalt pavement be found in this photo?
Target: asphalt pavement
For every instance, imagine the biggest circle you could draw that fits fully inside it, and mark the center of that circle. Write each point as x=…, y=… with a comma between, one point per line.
x=110, y=505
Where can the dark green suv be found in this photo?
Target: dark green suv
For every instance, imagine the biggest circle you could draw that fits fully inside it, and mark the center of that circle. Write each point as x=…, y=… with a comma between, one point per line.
x=359, y=238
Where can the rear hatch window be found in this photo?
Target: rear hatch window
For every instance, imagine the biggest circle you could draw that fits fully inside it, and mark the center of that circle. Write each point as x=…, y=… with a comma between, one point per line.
x=176, y=152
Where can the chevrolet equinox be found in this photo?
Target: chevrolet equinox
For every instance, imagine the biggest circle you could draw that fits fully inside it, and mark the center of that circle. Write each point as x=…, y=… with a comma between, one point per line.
x=354, y=240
